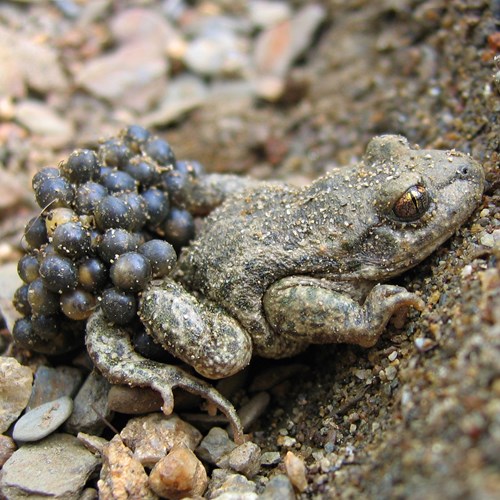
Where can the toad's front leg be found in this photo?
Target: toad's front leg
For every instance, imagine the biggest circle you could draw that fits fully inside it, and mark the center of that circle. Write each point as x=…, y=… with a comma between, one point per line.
x=311, y=310
x=113, y=354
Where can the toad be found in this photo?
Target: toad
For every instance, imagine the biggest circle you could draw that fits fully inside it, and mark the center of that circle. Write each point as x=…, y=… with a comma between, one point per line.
x=276, y=268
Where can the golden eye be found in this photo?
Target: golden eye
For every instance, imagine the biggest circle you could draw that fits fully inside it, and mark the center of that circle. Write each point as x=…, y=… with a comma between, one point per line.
x=412, y=204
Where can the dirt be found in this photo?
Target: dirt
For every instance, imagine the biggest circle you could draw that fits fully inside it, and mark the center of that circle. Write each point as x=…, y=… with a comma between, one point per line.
x=407, y=418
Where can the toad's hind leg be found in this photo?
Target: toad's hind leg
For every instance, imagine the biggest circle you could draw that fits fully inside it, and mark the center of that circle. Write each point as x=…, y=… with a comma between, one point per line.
x=113, y=354
x=200, y=333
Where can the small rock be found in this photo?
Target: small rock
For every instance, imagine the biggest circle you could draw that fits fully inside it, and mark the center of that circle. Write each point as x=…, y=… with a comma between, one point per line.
x=143, y=24
x=152, y=436
x=180, y=474
x=487, y=240
x=88, y=494
x=7, y=448
x=227, y=486
x=90, y=406
x=278, y=487
x=40, y=119
x=277, y=47
x=134, y=74
x=15, y=390
x=424, y=344
x=215, y=445
x=122, y=476
x=270, y=458
x=296, y=471
x=43, y=420
x=94, y=444
x=217, y=51
x=265, y=13
x=245, y=459
x=183, y=94
x=133, y=400
x=52, y=383
x=57, y=467
x=9, y=280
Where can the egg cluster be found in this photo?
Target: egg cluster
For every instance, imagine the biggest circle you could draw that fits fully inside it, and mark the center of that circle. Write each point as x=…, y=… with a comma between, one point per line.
x=111, y=221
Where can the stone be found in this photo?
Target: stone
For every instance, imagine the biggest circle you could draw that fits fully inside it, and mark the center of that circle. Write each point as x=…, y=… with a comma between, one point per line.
x=122, y=476
x=178, y=475
x=183, y=94
x=94, y=444
x=215, y=445
x=7, y=448
x=151, y=437
x=9, y=281
x=134, y=400
x=245, y=459
x=133, y=75
x=296, y=471
x=143, y=24
x=278, y=487
x=57, y=467
x=278, y=46
x=227, y=486
x=24, y=60
x=265, y=13
x=43, y=420
x=15, y=390
x=217, y=50
x=270, y=458
x=52, y=383
x=40, y=119
x=90, y=406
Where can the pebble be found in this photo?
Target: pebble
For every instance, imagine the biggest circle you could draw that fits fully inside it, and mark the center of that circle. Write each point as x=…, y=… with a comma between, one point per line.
x=278, y=487
x=178, y=475
x=9, y=278
x=25, y=61
x=277, y=47
x=41, y=119
x=266, y=13
x=94, y=444
x=270, y=458
x=134, y=73
x=7, y=448
x=122, y=476
x=244, y=459
x=67, y=465
x=52, y=383
x=215, y=445
x=152, y=436
x=184, y=93
x=15, y=390
x=228, y=486
x=43, y=420
x=90, y=406
x=133, y=400
x=296, y=471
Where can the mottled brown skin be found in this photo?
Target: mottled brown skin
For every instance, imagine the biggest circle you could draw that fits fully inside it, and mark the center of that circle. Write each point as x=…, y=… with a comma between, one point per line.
x=276, y=268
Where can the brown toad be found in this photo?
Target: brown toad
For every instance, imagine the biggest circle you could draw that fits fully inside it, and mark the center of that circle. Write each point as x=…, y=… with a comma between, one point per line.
x=276, y=268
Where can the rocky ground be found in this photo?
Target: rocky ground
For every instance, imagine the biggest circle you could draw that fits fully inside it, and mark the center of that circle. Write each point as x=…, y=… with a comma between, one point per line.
x=276, y=90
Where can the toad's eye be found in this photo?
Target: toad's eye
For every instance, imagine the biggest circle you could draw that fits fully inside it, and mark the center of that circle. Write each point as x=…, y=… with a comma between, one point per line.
x=412, y=204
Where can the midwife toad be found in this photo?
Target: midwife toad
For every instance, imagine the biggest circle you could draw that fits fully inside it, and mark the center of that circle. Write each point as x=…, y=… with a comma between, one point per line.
x=276, y=268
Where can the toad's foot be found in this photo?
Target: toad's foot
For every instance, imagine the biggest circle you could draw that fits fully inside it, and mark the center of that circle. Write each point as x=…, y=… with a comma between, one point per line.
x=112, y=352
x=311, y=309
